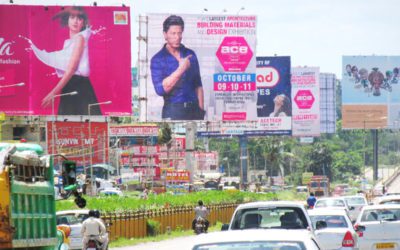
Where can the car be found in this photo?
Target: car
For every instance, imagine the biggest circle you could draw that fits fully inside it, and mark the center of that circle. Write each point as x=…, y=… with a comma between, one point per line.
x=355, y=203
x=378, y=227
x=337, y=232
x=270, y=215
x=256, y=239
x=111, y=191
x=389, y=199
x=332, y=202
x=74, y=219
x=302, y=189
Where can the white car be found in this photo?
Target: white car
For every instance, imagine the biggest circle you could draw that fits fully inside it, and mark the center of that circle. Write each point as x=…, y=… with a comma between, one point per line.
x=378, y=227
x=389, y=199
x=270, y=215
x=74, y=219
x=256, y=239
x=111, y=192
x=337, y=232
x=355, y=203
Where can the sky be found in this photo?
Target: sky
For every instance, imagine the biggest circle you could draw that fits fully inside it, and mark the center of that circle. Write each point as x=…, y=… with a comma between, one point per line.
x=312, y=32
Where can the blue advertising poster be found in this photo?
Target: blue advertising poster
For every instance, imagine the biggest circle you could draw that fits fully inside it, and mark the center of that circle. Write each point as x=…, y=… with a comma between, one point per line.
x=274, y=106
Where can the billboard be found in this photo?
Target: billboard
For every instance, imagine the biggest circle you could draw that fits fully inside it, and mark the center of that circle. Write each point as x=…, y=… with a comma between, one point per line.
x=306, y=101
x=274, y=105
x=56, y=50
x=370, y=92
x=202, y=67
x=73, y=140
x=327, y=88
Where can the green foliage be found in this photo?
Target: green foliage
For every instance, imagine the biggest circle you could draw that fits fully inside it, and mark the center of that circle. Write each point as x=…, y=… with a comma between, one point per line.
x=128, y=203
x=153, y=227
x=164, y=134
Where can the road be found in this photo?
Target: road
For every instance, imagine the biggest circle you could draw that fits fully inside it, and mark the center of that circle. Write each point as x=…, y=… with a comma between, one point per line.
x=181, y=243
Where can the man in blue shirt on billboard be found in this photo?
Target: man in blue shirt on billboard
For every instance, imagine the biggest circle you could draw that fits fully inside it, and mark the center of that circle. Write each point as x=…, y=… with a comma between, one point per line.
x=176, y=75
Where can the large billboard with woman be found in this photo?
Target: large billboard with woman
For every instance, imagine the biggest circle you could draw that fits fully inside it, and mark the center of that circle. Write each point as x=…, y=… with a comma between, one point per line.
x=68, y=57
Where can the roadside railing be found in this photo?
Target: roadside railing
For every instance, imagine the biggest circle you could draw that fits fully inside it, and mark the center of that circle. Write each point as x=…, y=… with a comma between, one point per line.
x=134, y=224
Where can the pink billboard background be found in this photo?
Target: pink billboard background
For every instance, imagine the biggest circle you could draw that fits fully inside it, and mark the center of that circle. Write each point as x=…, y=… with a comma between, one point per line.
x=109, y=57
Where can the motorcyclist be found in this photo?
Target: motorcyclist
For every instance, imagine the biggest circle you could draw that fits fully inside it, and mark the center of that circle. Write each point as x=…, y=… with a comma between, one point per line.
x=311, y=200
x=94, y=226
x=201, y=211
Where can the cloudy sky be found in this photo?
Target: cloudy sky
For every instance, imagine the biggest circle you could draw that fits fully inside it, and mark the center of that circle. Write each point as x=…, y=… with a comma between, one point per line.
x=312, y=32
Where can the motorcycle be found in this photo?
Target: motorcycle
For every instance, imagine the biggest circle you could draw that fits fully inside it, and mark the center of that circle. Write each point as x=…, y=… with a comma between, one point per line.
x=93, y=243
x=200, y=226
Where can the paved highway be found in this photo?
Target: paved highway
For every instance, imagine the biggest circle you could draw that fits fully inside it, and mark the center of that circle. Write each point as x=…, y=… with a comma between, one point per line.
x=181, y=243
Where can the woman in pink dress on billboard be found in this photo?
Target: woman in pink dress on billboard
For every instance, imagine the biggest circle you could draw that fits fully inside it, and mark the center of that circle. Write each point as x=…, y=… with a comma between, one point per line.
x=71, y=65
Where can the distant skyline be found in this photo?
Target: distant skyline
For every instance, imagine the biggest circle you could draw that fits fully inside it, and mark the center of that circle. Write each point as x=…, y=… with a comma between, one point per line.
x=312, y=32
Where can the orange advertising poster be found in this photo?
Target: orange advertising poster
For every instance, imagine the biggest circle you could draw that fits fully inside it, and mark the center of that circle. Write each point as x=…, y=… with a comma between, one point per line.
x=364, y=116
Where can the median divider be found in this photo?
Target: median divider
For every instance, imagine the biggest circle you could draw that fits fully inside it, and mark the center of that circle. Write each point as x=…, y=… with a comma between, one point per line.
x=135, y=224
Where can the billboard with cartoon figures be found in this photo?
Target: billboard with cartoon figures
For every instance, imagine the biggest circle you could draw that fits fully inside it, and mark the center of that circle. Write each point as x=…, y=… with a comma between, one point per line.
x=371, y=92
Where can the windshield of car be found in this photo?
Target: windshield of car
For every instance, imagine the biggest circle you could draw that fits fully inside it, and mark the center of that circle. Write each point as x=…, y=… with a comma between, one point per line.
x=254, y=245
x=270, y=217
x=67, y=219
x=351, y=201
x=330, y=203
x=332, y=221
x=392, y=214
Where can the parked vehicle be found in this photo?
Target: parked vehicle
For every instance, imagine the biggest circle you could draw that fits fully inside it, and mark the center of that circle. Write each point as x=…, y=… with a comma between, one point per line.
x=256, y=239
x=336, y=232
x=378, y=227
x=355, y=204
x=270, y=215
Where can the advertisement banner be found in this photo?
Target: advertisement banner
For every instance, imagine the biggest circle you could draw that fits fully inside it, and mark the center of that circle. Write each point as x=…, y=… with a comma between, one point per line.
x=371, y=92
x=72, y=139
x=206, y=161
x=177, y=176
x=67, y=58
x=202, y=67
x=306, y=101
x=274, y=105
x=134, y=130
x=327, y=88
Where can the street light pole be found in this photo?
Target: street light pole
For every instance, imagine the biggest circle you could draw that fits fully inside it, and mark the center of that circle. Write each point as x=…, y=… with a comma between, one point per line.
x=54, y=116
x=94, y=189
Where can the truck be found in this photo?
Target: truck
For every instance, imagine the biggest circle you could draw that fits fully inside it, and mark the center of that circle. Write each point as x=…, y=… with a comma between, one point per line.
x=319, y=185
x=27, y=198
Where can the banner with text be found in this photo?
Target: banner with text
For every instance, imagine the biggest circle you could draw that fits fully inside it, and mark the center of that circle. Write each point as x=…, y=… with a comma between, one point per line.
x=44, y=58
x=73, y=140
x=202, y=67
x=305, y=98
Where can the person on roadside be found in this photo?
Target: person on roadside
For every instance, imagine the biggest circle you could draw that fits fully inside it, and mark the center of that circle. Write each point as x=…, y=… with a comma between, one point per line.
x=94, y=226
x=202, y=212
x=311, y=200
